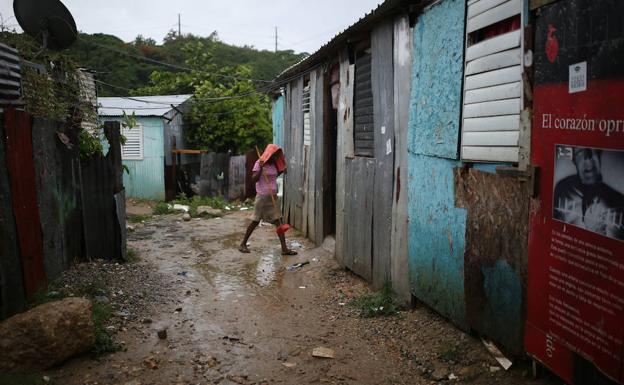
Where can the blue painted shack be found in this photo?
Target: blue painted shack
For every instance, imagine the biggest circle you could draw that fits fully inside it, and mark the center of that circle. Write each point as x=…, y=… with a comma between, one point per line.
x=430, y=171
x=147, y=151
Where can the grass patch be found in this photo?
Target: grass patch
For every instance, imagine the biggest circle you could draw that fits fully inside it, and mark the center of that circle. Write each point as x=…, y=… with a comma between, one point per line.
x=23, y=379
x=196, y=201
x=162, y=208
x=132, y=256
x=138, y=218
x=449, y=352
x=103, y=340
x=379, y=303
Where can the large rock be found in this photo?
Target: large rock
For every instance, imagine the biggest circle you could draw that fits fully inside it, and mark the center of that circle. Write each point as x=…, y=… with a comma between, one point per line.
x=46, y=335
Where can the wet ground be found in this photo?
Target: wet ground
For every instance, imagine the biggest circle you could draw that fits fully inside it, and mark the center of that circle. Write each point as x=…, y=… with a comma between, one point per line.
x=233, y=318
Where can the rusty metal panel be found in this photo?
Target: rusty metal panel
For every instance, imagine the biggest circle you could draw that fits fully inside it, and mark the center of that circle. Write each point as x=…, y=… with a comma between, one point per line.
x=495, y=257
x=19, y=157
x=57, y=161
x=101, y=182
x=12, y=295
x=214, y=174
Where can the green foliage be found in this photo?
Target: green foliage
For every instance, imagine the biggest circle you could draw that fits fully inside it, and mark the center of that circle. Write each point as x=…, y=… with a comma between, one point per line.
x=103, y=341
x=90, y=144
x=23, y=379
x=197, y=201
x=132, y=256
x=227, y=112
x=379, y=303
x=138, y=218
x=162, y=208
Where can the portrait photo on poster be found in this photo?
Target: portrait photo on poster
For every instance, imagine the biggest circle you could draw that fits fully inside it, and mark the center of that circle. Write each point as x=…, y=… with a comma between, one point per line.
x=589, y=189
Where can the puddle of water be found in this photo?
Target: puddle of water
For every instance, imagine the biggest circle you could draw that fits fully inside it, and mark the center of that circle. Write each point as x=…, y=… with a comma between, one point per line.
x=232, y=241
x=264, y=271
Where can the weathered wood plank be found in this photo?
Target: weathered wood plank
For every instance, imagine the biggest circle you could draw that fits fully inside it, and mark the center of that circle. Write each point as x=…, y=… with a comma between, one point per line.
x=361, y=174
x=490, y=154
x=492, y=78
x=497, y=44
x=494, y=138
x=494, y=15
x=495, y=61
x=383, y=93
x=399, y=267
x=504, y=91
x=320, y=149
x=494, y=108
x=494, y=123
x=344, y=150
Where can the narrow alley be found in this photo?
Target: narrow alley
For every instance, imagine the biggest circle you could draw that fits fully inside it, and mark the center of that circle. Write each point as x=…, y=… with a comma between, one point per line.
x=233, y=318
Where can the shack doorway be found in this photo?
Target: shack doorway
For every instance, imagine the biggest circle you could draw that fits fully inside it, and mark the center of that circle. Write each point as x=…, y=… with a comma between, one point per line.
x=331, y=86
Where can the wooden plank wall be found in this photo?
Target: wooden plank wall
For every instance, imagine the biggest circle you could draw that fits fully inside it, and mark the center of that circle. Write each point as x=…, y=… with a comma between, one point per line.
x=402, y=89
x=344, y=150
x=383, y=99
x=358, y=218
x=320, y=148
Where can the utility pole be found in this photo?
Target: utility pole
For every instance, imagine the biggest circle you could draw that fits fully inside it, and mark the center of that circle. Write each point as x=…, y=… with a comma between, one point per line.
x=276, y=39
x=179, y=27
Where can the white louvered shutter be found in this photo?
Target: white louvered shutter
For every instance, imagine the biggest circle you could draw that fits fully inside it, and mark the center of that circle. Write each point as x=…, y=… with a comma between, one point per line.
x=306, y=115
x=493, y=96
x=133, y=149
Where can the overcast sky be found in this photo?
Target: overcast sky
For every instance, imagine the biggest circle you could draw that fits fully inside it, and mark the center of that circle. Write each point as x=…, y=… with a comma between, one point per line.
x=302, y=25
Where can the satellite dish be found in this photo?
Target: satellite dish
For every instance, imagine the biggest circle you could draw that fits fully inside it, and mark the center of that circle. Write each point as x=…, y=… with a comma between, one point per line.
x=48, y=21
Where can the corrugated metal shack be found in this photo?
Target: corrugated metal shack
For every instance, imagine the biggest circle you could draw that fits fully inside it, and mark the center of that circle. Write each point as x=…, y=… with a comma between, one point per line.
x=55, y=207
x=147, y=152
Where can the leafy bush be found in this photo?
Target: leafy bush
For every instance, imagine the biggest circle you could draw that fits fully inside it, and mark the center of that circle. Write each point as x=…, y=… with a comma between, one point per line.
x=162, y=208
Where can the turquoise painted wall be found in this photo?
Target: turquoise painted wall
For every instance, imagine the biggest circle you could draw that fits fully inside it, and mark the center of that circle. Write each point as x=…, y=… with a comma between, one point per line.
x=437, y=80
x=436, y=227
x=146, y=179
x=278, y=121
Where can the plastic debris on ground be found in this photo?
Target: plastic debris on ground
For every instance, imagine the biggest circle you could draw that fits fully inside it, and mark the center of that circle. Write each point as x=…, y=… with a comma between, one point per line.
x=297, y=266
x=497, y=354
x=322, y=352
x=181, y=208
x=295, y=244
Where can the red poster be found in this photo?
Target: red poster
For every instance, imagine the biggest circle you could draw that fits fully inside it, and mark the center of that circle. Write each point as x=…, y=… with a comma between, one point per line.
x=576, y=245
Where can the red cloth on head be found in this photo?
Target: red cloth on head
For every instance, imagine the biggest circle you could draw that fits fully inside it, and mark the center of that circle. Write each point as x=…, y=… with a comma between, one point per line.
x=280, y=160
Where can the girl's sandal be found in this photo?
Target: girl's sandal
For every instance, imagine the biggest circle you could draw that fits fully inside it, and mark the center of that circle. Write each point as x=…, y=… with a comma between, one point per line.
x=289, y=252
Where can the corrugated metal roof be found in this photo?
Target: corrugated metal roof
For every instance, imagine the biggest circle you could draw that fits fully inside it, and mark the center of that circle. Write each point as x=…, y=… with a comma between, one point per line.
x=386, y=9
x=139, y=105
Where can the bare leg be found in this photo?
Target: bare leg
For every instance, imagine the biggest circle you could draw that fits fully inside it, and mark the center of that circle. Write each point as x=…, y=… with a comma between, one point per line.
x=282, y=238
x=250, y=229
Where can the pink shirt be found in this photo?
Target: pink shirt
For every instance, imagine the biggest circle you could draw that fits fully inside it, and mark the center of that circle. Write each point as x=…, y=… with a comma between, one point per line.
x=262, y=187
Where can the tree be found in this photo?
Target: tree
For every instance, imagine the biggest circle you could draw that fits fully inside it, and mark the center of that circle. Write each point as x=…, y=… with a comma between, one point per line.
x=227, y=112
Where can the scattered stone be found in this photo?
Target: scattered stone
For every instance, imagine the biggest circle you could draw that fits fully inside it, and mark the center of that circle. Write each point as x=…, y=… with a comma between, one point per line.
x=162, y=334
x=46, y=379
x=179, y=309
x=102, y=299
x=322, y=352
x=151, y=363
x=237, y=379
x=439, y=374
x=207, y=210
x=46, y=335
x=146, y=321
x=289, y=364
x=494, y=369
x=186, y=217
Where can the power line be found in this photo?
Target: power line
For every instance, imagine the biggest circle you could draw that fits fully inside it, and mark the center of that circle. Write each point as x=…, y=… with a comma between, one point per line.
x=174, y=66
x=215, y=99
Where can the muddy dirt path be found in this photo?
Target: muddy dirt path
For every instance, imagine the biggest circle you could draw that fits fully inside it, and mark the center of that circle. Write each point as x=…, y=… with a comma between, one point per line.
x=233, y=318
